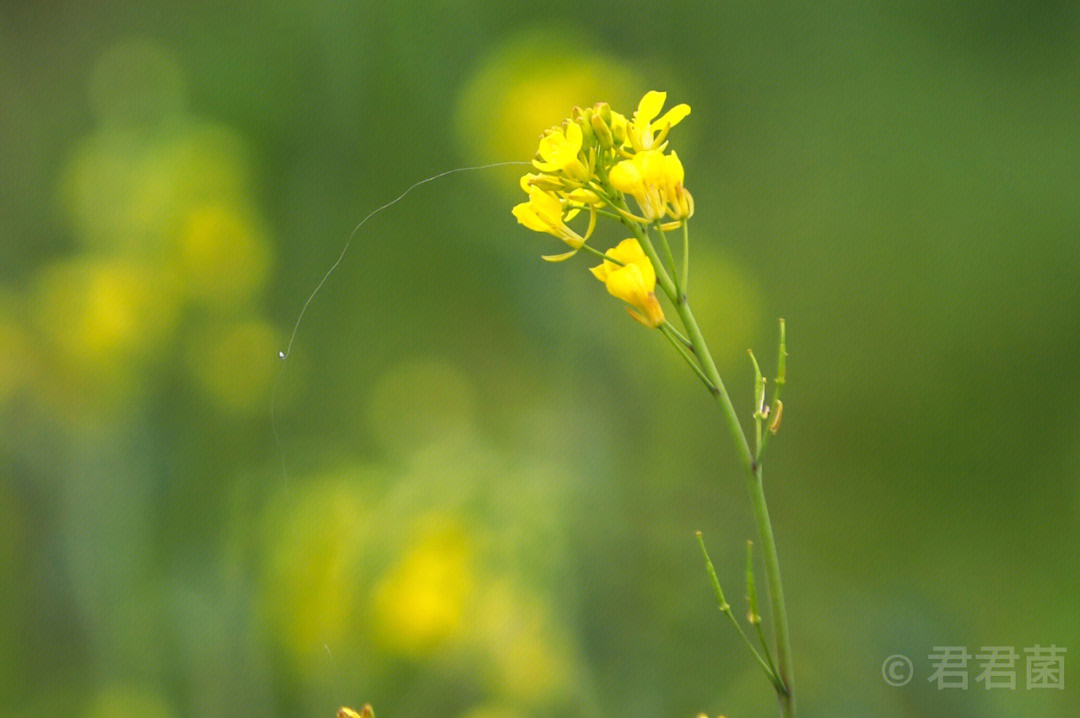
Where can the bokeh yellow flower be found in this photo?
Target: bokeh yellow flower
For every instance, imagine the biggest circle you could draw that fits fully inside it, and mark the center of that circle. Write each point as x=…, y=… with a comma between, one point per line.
x=123, y=701
x=232, y=362
x=629, y=275
x=533, y=77
x=315, y=534
x=224, y=258
x=420, y=602
x=100, y=313
x=528, y=654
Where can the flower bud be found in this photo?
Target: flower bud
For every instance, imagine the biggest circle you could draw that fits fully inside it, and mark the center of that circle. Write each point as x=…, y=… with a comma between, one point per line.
x=602, y=132
x=546, y=182
x=618, y=128
x=587, y=134
x=603, y=109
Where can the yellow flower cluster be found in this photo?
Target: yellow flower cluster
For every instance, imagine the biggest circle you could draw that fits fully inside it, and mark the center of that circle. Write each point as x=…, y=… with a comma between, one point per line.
x=592, y=162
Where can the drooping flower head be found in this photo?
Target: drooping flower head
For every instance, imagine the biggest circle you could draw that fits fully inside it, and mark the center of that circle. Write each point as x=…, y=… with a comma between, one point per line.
x=629, y=275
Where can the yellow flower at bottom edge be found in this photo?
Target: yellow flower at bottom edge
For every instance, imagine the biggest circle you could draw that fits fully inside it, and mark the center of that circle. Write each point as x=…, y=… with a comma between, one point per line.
x=346, y=712
x=631, y=278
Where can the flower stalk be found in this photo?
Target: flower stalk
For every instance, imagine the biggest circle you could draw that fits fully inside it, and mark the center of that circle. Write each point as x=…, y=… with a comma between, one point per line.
x=594, y=162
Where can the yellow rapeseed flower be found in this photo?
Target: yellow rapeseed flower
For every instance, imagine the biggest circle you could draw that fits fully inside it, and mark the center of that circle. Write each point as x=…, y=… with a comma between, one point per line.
x=631, y=278
x=559, y=152
x=645, y=132
x=656, y=181
x=545, y=212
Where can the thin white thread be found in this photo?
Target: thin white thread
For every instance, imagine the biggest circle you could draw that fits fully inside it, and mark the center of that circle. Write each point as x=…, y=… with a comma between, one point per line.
x=352, y=235
x=283, y=355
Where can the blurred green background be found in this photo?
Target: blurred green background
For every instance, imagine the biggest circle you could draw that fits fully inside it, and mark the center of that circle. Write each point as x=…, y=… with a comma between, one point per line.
x=481, y=497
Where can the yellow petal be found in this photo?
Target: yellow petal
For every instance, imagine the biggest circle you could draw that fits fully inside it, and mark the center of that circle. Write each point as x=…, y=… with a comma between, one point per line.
x=673, y=169
x=592, y=221
x=650, y=107
x=648, y=274
x=558, y=257
x=627, y=284
x=574, y=138
x=672, y=117
x=585, y=196
x=545, y=166
x=546, y=206
x=549, y=145
x=628, y=251
x=526, y=215
x=625, y=176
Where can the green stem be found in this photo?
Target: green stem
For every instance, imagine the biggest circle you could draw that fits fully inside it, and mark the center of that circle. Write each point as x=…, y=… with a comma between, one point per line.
x=776, y=592
x=596, y=252
x=674, y=337
x=685, y=278
x=786, y=695
x=676, y=278
x=731, y=417
x=679, y=335
x=785, y=691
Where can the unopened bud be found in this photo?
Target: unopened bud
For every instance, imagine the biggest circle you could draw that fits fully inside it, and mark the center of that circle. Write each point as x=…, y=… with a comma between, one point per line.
x=602, y=132
x=603, y=109
x=588, y=137
x=618, y=127
x=546, y=182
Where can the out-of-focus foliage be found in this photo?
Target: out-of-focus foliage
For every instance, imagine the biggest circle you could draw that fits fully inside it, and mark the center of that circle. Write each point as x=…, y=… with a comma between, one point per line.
x=471, y=489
